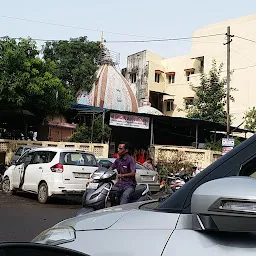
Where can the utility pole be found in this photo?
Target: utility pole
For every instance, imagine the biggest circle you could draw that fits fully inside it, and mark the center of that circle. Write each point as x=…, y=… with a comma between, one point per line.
x=229, y=40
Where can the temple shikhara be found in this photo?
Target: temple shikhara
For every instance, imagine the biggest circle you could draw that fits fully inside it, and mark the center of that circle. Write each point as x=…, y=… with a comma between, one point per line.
x=112, y=90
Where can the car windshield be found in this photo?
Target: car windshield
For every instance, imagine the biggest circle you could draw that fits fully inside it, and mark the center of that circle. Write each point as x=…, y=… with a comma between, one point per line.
x=78, y=158
x=19, y=151
x=139, y=166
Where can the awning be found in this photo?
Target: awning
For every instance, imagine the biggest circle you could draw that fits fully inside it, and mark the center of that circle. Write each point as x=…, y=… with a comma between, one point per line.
x=64, y=125
x=168, y=97
x=163, y=93
x=159, y=71
x=175, y=121
x=189, y=69
x=170, y=73
x=188, y=98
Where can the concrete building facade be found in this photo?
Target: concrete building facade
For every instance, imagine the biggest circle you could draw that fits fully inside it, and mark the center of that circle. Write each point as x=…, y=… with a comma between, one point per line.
x=165, y=83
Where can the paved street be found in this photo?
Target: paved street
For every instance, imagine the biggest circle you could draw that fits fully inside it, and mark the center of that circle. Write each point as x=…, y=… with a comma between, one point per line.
x=22, y=217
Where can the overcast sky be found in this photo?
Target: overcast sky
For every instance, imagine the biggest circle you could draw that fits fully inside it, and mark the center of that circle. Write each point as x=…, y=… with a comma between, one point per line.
x=145, y=19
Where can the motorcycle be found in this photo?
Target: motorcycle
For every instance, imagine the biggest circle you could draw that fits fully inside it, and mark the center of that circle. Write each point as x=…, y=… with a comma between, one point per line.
x=3, y=168
x=99, y=193
x=175, y=182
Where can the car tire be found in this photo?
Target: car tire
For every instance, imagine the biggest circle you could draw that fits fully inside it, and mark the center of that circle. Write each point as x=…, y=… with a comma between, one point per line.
x=43, y=193
x=6, y=187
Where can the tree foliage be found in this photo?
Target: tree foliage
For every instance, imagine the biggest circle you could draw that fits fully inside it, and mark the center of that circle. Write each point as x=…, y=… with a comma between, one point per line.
x=217, y=145
x=75, y=61
x=28, y=82
x=84, y=132
x=210, y=96
x=169, y=165
x=250, y=119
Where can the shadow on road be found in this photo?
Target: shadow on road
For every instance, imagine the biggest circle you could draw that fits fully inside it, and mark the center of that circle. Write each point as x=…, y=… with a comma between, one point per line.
x=55, y=200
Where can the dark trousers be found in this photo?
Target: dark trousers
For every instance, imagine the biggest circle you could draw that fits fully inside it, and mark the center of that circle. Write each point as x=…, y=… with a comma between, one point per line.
x=123, y=194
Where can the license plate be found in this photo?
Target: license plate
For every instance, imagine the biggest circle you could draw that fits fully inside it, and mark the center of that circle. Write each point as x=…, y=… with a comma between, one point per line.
x=92, y=185
x=147, y=178
x=81, y=175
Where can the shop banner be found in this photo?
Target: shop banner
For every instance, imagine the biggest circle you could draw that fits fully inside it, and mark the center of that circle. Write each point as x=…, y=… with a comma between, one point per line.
x=139, y=122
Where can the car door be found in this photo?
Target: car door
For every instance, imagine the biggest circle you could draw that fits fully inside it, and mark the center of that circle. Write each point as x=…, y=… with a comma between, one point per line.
x=34, y=171
x=17, y=155
x=19, y=170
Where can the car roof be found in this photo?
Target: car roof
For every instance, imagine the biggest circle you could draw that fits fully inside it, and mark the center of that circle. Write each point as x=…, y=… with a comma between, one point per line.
x=28, y=146
x=109, y=159
x=55, y=149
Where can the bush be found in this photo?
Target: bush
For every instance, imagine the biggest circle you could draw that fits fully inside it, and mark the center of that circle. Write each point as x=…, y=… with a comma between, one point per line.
x=83, y=133
x=168, y=165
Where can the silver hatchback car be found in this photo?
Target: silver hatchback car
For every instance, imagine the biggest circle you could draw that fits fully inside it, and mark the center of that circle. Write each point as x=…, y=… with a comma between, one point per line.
x=212, y=214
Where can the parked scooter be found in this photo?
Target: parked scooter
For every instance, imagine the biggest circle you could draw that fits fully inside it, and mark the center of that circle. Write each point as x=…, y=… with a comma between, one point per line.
x=176, y=181
x=99, y=193
x=3, y=168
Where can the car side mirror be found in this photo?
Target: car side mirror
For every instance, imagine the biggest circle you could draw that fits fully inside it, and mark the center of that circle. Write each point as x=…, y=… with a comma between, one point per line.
x=227, y=204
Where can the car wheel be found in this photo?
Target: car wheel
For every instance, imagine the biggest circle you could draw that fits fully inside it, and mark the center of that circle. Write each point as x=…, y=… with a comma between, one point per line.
x=6, y=186
x=43, y=193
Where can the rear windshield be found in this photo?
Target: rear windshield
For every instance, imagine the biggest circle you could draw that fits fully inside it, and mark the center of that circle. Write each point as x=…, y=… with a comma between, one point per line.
x=139, y=166
x=78, y=158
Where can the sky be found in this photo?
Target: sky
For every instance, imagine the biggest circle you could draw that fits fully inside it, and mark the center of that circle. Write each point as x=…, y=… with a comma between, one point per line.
x=120, y=20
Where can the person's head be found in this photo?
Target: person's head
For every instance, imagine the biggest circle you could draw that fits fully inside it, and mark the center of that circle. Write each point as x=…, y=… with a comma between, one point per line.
x=123, y=148
x=150, y=160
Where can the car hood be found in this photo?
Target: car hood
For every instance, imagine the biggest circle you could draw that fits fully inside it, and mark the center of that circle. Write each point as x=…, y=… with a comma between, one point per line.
x=120, y=217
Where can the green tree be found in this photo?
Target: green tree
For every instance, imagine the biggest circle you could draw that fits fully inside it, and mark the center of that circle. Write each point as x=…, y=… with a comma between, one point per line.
x=28, y=82
x=210, y=96
x=217, y=145
x=75, y=60
x=84, y=132
x=250, y=119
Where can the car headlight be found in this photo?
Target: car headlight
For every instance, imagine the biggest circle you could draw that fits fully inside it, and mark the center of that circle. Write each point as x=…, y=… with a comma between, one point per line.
x=56, y=236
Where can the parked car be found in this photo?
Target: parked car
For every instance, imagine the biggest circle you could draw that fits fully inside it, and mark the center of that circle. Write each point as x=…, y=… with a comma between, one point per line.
x=213, y=214
x=20, y=151
x=50, y=171
x=143, y=175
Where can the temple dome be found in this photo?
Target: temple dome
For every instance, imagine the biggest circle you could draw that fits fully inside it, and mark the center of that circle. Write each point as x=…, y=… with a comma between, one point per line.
x=149, y=110
x=111, y=91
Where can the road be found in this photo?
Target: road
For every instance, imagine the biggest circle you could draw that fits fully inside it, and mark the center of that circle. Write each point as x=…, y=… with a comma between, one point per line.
x=22, y=217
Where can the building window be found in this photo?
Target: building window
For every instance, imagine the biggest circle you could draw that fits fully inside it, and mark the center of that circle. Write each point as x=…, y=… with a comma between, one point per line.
x=157, y=77
x=202, y=65
x=188, y=102
x=169, y=105
x=188, y=73
x=171, y=79
x=133, y=78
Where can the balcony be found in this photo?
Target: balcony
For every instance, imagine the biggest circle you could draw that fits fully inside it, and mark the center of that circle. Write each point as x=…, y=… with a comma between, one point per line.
x=195, y=79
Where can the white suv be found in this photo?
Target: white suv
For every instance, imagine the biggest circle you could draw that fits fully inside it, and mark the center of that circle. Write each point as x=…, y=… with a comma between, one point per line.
x=50, y=171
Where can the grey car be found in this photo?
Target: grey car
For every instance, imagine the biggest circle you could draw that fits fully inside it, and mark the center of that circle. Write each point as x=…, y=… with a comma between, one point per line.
x=143, y=175
x=212, y=214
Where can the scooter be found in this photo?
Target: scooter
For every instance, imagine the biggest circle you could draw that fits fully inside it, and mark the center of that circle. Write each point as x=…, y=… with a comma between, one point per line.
x=3, y=168
x=99, y=193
